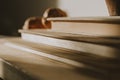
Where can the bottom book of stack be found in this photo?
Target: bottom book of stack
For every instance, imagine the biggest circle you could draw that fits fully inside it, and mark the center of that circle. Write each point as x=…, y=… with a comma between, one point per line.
x=29, y=61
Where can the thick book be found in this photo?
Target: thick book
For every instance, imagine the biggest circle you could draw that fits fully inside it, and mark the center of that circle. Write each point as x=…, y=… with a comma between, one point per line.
x=37, y=61
x=24, y=65
x=97, y=26
x=105, y=47
x=77, y=60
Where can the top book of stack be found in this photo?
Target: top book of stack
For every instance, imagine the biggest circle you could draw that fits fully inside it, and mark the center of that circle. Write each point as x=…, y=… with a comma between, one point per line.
x=108, y=26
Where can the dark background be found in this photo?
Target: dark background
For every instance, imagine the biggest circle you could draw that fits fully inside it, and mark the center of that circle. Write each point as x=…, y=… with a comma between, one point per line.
x=13, y=13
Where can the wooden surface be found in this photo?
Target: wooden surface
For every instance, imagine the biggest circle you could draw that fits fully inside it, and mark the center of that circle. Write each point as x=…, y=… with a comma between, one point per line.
x=113, y=7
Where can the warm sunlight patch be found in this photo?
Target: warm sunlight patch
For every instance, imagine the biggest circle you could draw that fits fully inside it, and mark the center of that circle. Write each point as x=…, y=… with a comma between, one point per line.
x=77, y=8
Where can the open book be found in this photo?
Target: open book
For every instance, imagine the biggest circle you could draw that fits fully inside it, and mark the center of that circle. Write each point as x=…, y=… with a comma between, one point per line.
x=95, y=26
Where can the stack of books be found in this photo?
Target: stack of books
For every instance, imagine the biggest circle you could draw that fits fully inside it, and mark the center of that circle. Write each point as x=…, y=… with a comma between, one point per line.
x=89, y=44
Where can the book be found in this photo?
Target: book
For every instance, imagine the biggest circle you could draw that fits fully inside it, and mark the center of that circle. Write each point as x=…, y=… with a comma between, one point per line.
x=99, y=66
x=61, y=54
x=104, y=47
x=36, y=66
x=33, y=61
x=108, y=26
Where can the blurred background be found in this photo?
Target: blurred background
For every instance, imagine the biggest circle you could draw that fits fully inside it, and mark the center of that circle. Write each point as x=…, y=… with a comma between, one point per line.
x=14, y=12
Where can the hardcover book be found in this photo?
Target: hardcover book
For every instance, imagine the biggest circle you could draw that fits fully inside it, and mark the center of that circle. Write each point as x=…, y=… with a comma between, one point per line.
x=105, y=47
x=95, y=26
